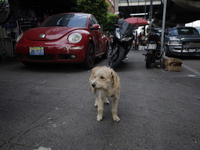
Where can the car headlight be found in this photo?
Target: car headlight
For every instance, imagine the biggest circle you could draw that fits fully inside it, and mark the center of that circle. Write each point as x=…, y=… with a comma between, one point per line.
x=174, y=42
x=19, y=37
x=75, y=37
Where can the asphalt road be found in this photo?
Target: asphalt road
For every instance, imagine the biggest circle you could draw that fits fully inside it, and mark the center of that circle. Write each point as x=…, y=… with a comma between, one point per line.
x=51, y=107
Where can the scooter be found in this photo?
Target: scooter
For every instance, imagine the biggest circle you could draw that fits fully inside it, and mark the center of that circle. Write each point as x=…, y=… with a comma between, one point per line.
x=122, y=42
x=153, y=53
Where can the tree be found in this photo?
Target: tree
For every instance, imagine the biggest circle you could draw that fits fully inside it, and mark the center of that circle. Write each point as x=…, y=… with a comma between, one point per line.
x=99, y=8
x=109, y=24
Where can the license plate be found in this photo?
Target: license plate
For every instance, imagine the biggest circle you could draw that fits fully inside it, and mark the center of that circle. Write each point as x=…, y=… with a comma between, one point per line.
x=152, y=46
x=36, y=50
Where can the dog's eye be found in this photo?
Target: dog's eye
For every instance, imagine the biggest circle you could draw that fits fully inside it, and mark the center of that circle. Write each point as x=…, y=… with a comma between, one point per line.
x=102, y=77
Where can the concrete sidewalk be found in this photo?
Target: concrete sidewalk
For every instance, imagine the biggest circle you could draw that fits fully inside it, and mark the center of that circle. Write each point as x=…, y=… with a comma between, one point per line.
x=51, y=107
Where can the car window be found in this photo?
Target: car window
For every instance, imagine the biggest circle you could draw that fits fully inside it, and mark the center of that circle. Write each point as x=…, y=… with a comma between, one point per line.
x=173, y=32
x=198, y=30
x=187, y=31
x=93, y=21
x=66, y=20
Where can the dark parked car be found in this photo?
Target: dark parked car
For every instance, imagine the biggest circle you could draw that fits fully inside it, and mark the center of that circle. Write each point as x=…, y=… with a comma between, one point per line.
x=182, y=41
x=63, y=38
x=198, y=28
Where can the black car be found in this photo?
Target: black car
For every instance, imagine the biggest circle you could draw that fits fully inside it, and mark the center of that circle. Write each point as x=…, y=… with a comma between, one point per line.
x=182, y=41
x=198, y=28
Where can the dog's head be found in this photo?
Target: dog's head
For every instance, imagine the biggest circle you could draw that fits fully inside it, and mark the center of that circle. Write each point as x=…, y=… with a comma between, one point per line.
x=103, y=78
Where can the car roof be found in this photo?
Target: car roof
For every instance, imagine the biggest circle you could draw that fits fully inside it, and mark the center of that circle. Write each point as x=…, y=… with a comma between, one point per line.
x=72, y=13
x=180, y=27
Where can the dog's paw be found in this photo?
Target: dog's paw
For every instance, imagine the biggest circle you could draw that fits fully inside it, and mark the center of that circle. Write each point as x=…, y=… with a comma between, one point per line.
x=99, y=118
x=116, y=118
x=107, y=102
x=96, y=105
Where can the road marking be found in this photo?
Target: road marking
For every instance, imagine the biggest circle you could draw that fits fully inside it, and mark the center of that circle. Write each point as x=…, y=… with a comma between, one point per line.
x=193, y=70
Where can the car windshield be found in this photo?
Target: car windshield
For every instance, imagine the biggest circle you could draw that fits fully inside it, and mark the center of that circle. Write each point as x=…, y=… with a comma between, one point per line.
x=187, y=31
x=198, y=30
x=183, y=31
x=66, y=20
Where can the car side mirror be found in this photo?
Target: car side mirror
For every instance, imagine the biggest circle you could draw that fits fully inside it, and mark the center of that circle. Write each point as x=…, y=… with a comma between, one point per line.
x=95, y=27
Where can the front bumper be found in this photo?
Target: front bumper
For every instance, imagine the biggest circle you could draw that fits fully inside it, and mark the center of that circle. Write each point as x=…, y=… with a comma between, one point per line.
x=184, y=50
x=55, y=54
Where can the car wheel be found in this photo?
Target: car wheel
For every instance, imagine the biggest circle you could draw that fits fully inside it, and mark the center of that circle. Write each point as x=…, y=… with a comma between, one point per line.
x=105, y=56
x=90, y=57
x=167, y=52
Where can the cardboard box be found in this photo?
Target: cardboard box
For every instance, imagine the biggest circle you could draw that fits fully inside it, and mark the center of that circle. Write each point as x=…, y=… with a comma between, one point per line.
x=172, y=64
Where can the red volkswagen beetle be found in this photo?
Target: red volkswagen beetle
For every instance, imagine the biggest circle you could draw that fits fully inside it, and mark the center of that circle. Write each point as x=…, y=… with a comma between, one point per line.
x=63, y=38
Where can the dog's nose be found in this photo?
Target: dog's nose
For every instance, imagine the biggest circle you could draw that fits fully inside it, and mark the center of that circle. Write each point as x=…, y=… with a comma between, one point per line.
x=93, y=85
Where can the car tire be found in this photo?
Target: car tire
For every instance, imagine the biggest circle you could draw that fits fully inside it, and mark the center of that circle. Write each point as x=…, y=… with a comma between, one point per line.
x=167, y=52
x=90, y=57
x=105, y=56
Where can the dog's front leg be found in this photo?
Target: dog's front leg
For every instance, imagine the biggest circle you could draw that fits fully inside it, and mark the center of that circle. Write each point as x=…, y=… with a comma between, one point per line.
x=100, y=106
x=96, y=98
x=114, y=109
x=106, y=101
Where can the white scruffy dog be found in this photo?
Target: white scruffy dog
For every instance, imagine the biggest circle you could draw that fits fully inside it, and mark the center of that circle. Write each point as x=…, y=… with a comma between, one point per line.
x=107, y=82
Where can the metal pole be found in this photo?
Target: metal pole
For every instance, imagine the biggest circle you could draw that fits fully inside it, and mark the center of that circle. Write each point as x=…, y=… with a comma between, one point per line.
x=163, y=25
x=145, y=10
x=151, y=11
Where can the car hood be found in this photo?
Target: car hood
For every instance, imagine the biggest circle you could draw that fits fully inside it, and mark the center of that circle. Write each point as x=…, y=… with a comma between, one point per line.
x=186, y=38
x=49, y=33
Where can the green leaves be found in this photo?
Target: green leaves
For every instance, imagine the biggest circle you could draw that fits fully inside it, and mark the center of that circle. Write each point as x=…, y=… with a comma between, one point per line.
x=110, y=22
x=99, y=8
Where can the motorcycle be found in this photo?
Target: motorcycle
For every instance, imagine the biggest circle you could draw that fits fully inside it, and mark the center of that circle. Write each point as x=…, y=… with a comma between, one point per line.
x=4, y=11
x=122, y=42
x=153, y=53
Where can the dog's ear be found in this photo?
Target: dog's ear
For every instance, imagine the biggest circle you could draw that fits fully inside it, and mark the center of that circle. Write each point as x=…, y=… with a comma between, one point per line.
x=93, y=72
x=114, y=77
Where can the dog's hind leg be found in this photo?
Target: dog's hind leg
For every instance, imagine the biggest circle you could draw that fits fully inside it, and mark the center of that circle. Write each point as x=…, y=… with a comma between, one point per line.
x=114, y=109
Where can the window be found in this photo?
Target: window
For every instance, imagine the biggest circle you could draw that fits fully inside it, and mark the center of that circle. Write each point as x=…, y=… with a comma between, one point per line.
x=173, y=32
x=66, y=20
x=93, y=21
x=187, y=31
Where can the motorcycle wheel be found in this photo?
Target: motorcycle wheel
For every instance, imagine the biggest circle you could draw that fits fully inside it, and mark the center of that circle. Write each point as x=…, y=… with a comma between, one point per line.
x=118, y=61
x=148, y=61
x=167, y=52
x=161, y=62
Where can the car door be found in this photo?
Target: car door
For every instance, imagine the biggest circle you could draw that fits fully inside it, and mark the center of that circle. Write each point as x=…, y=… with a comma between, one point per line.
x=97, y=34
